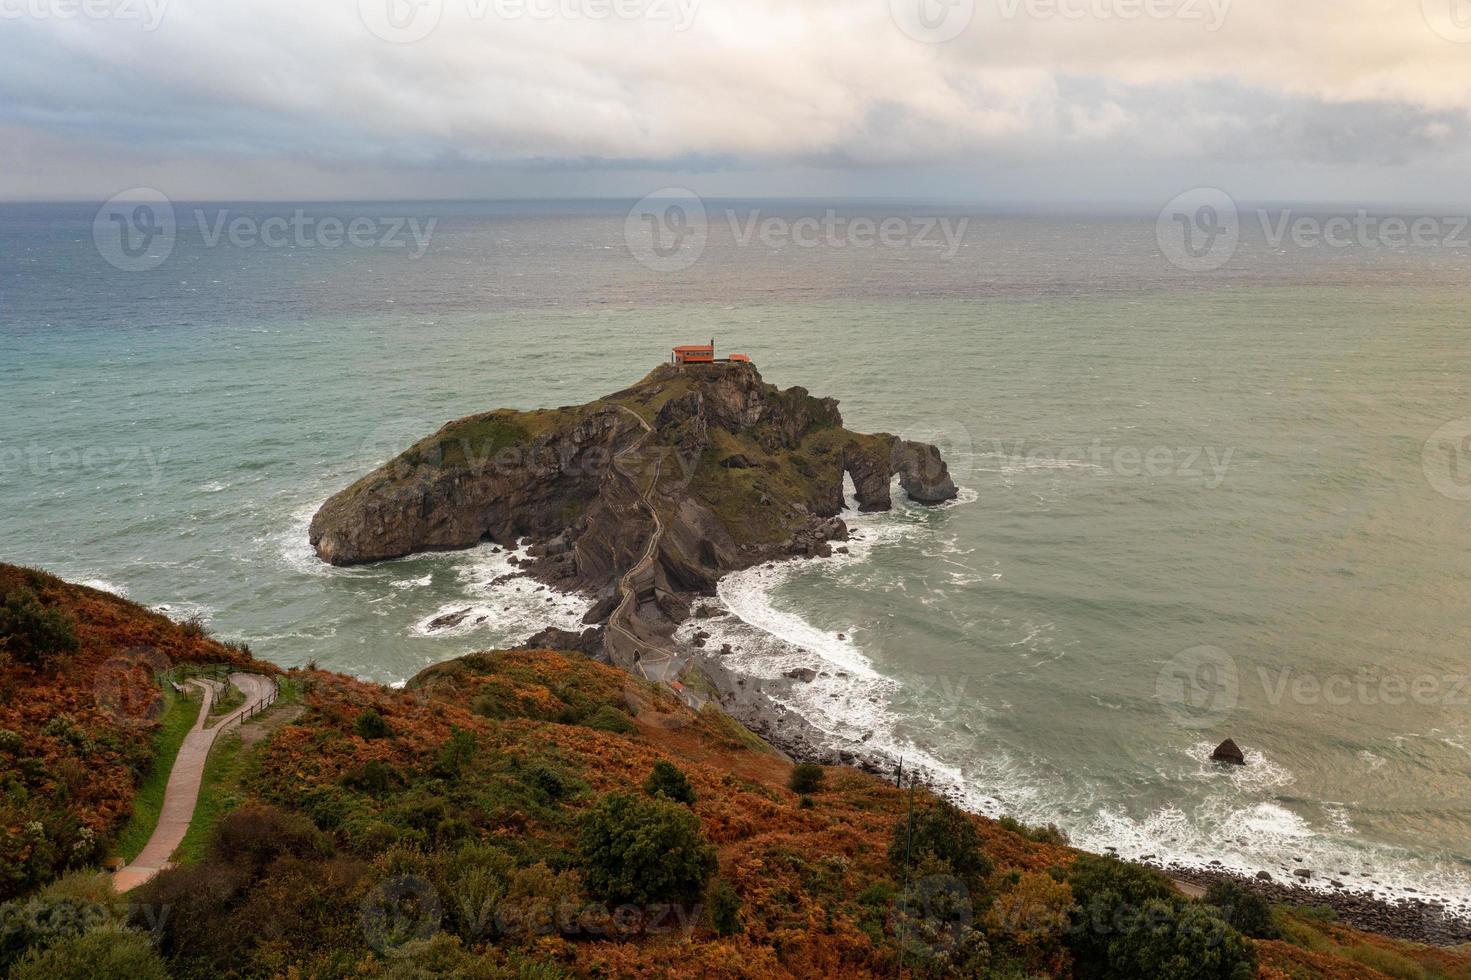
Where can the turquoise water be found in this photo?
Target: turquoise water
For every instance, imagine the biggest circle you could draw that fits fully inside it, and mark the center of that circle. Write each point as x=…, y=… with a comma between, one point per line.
x=1177, y=490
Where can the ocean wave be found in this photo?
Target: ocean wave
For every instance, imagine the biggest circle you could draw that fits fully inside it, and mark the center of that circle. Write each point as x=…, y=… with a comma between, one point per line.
x=103, y=585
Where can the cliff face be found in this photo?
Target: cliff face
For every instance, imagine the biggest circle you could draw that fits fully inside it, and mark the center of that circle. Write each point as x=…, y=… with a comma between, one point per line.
x=739, y=472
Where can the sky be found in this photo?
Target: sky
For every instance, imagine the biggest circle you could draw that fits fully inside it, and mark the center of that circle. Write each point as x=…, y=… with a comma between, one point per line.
x=999, y=102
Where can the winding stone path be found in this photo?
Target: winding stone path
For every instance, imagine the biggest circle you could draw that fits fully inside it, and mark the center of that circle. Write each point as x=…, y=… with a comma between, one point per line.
x=653, y=658
x=182, y=793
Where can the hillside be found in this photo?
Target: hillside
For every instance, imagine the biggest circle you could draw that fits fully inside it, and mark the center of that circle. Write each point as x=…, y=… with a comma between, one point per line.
x=537, y=814
x=78, y=717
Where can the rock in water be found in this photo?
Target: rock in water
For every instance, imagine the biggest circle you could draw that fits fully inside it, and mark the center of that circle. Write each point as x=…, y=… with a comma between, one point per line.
x=923, y=474
x=449, y=620
x=1228, y=751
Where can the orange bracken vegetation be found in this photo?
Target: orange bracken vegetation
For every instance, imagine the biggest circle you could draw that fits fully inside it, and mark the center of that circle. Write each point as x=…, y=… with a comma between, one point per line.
x=76, y=738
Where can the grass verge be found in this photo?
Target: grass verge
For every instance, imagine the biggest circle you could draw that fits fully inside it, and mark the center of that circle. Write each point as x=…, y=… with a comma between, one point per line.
x=228, y=702
x=179, y=717
x=219, y=793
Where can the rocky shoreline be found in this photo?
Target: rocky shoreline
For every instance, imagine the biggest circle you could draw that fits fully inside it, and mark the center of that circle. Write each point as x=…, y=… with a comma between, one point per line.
x=1418, y=920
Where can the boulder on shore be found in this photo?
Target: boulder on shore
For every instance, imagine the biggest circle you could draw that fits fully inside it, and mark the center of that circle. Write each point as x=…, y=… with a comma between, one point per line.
x=1228, y=751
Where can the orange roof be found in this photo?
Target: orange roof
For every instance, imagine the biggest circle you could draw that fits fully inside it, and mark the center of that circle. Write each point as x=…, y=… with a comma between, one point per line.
x=700, y=347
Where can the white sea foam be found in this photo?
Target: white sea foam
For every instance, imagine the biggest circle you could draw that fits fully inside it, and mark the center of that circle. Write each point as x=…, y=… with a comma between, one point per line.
x=849, y=699
x=502, y=602
x=103, y=585
x=182, y=611
x=293, y=545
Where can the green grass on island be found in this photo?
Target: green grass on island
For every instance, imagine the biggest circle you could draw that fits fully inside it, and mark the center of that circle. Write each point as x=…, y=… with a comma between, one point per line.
x=179, y=717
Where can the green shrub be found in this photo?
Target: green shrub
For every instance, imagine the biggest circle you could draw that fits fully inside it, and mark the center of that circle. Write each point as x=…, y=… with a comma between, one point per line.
x=1179, y=940
x=456, y=753
x=1130, y=922
x=33, y=634
x=370, y=725
x=1095, y=877
x=642, y=850
x=552, y=783
x=106, y=952
x=942, y=833
x=610, y=719
x=1050, y=834
x=666, y=780
x=723, y=906
x=31, y=924
x=805, y=803
x=374, y=777
x=806, y=778
x=253, y=836
x=1245, y=910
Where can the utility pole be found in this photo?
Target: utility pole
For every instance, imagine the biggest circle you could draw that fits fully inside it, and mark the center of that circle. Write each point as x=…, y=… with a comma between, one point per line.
x=908, y=853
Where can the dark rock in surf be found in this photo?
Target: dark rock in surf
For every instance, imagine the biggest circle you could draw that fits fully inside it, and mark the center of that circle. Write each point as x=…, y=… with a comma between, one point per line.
x=1229, y=752
x=449, y=620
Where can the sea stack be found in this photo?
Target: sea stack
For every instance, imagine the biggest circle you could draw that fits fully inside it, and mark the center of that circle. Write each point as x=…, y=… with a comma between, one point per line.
x=1228, y=751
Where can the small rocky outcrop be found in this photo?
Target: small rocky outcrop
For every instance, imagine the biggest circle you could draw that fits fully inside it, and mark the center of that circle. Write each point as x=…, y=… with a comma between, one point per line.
x=449, y=620
x=923, y=473
x=1229, y=752
x=589, y=641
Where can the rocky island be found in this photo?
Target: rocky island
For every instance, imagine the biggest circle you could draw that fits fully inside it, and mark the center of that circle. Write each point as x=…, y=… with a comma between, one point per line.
x=745, y=473
x=643, y=498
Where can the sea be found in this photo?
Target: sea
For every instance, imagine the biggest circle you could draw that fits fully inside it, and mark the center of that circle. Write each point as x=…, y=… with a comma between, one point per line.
x=1213, y=486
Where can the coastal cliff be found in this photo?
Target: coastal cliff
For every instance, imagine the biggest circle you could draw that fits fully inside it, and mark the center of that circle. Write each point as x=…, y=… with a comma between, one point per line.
x=741, y=472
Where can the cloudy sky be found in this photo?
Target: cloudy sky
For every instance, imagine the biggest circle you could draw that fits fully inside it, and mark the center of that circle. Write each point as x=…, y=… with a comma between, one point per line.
x=1109, y=102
